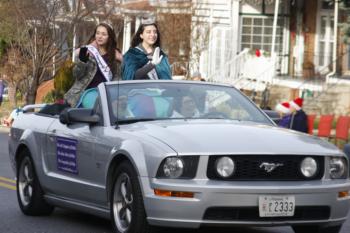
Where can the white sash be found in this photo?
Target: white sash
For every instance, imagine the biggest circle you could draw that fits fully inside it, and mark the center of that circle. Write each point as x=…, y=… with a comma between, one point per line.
x=104, y=68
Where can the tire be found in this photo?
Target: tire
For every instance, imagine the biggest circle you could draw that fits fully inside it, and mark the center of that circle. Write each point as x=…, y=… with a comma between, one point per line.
x=127, y=209
x=317, y=229
x=29, y=193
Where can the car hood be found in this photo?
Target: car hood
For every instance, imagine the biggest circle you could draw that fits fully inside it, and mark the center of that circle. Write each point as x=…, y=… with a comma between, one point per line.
x=232, y=137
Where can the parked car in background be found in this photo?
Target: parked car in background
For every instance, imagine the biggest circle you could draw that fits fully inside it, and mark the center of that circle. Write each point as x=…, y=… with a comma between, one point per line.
x=177, y=154
x=273, y=115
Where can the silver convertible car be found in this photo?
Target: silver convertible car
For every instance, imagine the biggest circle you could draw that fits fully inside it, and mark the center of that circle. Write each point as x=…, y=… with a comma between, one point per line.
x=177, y=154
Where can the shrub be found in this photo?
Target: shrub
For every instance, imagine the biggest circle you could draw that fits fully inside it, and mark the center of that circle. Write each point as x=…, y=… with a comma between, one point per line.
x=63, y=80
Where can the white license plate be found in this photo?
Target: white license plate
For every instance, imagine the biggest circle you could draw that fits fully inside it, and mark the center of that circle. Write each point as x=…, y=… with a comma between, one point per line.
x=276, y=206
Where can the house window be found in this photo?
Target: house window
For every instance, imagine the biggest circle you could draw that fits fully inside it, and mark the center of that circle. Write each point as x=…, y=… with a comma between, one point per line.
x=257, y=33
x=324, y=40
x=327, y=5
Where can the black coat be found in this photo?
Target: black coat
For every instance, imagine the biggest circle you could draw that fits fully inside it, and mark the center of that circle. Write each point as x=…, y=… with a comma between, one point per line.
x=299, y=121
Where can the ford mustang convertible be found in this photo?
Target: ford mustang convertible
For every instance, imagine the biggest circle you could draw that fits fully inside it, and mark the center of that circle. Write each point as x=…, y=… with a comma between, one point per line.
x=177, y=154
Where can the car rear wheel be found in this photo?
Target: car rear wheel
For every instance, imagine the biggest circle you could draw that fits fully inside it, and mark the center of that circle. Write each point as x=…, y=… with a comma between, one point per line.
x=317, y=229
x=127, y=208
x=29, y=193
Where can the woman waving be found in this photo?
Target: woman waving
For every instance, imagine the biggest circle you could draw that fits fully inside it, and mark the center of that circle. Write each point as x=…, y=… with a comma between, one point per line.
x=145, y=59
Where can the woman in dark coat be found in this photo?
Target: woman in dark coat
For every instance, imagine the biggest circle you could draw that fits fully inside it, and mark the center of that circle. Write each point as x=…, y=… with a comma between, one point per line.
x=145, y=59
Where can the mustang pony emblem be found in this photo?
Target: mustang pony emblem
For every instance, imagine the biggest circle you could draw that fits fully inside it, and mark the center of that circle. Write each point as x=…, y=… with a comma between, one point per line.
x=269, y=167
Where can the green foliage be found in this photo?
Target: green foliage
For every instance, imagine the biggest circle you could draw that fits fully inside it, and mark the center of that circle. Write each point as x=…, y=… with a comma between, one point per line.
x=345, y=25
x=63, y=80
x=50, y=97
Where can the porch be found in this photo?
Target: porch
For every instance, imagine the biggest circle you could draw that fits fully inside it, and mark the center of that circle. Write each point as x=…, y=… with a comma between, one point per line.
x=302, y=55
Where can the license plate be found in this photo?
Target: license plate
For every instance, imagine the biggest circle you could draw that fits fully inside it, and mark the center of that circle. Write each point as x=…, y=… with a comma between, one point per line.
x=276, y=206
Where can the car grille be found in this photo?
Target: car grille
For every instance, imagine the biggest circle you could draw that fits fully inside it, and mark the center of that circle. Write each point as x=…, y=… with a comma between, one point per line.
x=247, y=167
x=252, y=214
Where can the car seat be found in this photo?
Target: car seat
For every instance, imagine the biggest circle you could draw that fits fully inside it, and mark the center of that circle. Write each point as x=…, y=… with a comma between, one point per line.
x=142, y=106
x=88, y=98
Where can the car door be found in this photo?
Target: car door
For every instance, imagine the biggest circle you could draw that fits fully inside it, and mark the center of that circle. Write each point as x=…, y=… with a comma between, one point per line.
x=72, y=168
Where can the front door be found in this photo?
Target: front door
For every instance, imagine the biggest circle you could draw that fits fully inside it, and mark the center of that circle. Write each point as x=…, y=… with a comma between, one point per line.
x=70, y=160
x=75, y=161
x=325, y=38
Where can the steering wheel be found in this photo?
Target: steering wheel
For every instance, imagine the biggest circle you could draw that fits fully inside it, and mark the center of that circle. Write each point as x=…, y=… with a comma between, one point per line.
x=216, y=115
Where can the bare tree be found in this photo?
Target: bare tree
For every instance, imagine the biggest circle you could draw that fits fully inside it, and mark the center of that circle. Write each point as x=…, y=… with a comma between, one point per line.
x=43, y=29
x=41, y=33
x=14, y=70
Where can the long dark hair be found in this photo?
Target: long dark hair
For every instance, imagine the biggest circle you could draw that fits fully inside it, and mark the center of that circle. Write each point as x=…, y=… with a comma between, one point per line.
x=111, y=45
x=136, y=40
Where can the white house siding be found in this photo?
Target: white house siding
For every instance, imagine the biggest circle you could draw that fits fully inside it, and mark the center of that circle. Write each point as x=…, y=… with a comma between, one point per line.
x=222, y=22
x=216, y=20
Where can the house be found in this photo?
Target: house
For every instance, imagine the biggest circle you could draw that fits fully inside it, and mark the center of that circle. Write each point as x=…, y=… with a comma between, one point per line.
x=290, y=44
x=288, y=47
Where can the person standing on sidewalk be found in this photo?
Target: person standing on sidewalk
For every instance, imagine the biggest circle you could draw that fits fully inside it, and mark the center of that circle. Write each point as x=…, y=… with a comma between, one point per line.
x=284, y=110
x=299, y=118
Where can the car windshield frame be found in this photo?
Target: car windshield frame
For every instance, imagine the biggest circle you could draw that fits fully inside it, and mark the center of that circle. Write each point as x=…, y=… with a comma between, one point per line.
x=125, y=96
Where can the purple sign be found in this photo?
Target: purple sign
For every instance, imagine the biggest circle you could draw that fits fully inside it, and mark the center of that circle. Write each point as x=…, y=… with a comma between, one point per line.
x=66, y=151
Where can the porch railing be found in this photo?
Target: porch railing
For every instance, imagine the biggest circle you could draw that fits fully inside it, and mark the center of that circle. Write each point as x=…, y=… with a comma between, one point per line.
x=319, y=92
x=257, y=79
x=232, y=70
x=319, y=83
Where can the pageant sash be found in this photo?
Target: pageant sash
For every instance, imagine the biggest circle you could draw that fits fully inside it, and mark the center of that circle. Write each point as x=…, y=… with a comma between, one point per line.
x=104, y=68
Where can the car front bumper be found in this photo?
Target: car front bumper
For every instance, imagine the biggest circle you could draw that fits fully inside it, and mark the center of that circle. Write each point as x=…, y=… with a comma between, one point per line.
x=236, y=203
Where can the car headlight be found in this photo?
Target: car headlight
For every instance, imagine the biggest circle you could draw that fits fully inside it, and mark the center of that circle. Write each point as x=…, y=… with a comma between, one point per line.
x=337, y=168
x=308, y=167
x=182, y=167
x=173, y=167
x=225, y=167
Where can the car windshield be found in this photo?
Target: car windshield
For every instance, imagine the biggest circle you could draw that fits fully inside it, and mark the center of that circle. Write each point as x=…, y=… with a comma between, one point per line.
x=132, y=102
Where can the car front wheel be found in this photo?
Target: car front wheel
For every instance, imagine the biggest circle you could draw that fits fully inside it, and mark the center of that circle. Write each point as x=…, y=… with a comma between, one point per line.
x=127, y=208
x=29, y=193
x=317, y=229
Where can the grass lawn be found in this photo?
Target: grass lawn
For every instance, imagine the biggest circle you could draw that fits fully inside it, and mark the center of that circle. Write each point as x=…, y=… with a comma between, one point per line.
x=5, y=109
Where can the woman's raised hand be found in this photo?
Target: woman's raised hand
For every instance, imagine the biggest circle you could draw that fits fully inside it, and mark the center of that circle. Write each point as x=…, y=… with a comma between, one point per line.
x=156, y=59
x=83, y=54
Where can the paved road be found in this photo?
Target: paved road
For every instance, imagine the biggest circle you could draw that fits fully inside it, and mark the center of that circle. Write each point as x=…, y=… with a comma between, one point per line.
x=67, y=221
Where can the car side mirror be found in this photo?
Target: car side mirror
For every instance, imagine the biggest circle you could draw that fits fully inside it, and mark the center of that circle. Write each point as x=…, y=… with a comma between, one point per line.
x=78, y=115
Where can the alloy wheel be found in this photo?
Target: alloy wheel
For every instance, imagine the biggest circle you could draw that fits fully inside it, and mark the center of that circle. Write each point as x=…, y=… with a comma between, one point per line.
x=122, y=202
x=25, y=181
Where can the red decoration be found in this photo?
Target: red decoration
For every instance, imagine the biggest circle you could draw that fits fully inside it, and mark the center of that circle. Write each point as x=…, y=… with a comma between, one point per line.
x=257, y=53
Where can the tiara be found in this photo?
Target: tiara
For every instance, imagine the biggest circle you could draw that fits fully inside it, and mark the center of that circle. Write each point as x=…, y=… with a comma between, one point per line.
x=148, y=20
x=106, y=23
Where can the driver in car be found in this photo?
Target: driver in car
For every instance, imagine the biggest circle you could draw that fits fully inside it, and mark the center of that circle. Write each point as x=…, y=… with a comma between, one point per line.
x=185, y=107
x=120, y=108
